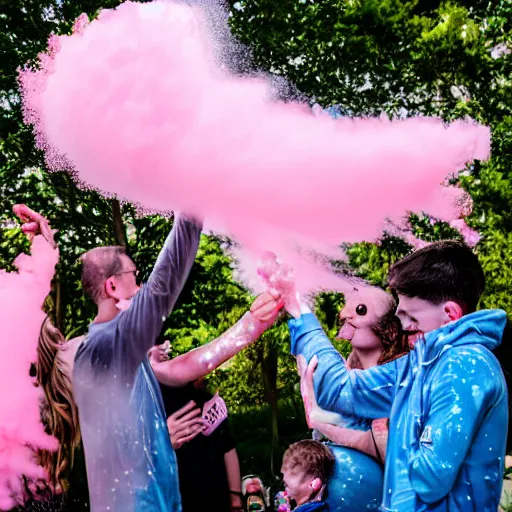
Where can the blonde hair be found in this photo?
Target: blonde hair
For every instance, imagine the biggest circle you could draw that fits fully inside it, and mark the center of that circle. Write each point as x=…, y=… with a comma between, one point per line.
x=59, y=411
x=311, y=458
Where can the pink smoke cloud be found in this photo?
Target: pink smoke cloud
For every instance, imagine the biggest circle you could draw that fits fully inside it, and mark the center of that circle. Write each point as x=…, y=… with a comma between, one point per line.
x=22, y=295
x=139, y=106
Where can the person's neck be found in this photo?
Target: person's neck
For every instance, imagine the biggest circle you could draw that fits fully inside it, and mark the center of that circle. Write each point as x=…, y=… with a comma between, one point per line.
x=368, y=358
x=107, y=311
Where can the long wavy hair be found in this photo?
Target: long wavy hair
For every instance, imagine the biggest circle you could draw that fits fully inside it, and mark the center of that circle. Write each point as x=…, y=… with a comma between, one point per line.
x=59, y=412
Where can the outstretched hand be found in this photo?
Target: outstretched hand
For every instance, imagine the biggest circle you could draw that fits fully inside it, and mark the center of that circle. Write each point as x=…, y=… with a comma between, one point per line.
x=279, y=279
x=266, y=307
x=33, y=223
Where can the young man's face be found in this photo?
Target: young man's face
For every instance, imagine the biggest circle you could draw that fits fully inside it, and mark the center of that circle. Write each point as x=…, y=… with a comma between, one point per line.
x=419, y=316
x=298, y=486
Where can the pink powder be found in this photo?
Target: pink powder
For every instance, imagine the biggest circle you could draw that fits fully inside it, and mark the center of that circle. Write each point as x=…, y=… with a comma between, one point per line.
x=22, y=295
x=470, y=235
x=138, y=103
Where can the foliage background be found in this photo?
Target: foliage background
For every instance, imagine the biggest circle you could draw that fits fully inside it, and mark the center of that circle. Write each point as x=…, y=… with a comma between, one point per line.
x=364, y=57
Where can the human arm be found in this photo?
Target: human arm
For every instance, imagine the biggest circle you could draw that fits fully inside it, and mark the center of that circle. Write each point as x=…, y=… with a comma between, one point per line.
x=373, y=441
x=234, y=479
x=199, y=362
x=225, y=444
x=34, y=224
x=38, y=267
x=463, y=389
x=366, y=441
x=141, y=323
x=363, y=393
x=351, y=438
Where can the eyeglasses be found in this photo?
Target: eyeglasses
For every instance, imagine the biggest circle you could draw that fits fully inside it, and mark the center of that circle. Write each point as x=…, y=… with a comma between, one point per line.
x=135, y=272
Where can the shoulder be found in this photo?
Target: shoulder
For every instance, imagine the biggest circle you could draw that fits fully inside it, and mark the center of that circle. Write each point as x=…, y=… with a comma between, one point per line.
x=474, y=357
x=471, y=365
x=67, y=353
x=95, y=349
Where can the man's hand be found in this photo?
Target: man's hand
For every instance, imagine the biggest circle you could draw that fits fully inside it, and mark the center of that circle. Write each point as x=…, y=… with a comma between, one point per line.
x=33, y=223
x=266, y=307
x=185, y=424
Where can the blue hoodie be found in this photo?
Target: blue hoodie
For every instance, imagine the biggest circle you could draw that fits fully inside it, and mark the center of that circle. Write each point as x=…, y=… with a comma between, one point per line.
x=447, y=404
x=312, y=506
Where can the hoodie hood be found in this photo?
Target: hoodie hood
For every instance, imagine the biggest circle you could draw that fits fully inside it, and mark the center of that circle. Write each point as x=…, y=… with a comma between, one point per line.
x=483, y=327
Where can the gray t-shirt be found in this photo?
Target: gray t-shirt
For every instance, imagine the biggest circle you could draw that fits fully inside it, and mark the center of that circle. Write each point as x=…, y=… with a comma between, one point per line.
x=130, y=461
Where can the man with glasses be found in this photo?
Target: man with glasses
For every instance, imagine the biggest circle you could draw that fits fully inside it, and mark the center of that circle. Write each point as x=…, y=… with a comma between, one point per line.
x=131, y=465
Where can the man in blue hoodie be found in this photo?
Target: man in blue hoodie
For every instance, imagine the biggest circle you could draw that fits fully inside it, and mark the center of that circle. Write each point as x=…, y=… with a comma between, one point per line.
x=446, y=400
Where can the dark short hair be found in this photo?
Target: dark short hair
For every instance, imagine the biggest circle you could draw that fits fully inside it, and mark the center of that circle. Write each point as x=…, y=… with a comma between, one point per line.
x=310, y=457
x=441, y=271
x=98, y=265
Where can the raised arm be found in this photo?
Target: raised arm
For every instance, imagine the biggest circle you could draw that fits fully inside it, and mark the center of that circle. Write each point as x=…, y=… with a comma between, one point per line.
x=39, y=266
x=199, y=362
x=363, y=393
x=142, y=321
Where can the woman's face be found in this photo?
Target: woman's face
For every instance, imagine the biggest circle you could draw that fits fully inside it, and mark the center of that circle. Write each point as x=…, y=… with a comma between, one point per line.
x=363, y=309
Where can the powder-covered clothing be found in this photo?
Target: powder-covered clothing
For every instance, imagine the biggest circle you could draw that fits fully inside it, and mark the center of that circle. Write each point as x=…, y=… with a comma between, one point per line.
x=447, y=404
x=131, y=465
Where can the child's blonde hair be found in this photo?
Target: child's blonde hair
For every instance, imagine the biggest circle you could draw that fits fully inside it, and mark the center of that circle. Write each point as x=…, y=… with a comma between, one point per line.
x=311, y=458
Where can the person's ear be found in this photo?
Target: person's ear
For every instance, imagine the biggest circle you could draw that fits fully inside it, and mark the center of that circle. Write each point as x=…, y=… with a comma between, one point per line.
x=316, y=484
x=110, y=288
x=453, y=311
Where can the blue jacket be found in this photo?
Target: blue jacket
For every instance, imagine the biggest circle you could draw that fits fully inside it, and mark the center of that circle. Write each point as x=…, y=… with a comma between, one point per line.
x=312, y=506
x=447, y=404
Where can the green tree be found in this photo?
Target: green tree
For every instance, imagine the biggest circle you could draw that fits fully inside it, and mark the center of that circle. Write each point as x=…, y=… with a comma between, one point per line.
x=366, y=57
x=404, y=58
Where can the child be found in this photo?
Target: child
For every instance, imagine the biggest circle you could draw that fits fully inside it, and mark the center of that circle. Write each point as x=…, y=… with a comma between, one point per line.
x=307, y=467
x=446, y=400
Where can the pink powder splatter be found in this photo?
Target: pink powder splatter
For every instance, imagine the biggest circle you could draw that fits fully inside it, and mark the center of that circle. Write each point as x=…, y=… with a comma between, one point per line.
x=470, y=235
x=138, y=103
x=22, y=295
x=279, y=279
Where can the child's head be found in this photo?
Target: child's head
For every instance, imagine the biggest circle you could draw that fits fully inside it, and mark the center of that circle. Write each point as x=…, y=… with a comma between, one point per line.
x=307, y=467
x=436, y=285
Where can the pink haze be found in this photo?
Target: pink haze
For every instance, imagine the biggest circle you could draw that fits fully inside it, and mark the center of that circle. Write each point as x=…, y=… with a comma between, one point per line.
x=139, y=106
x=22, y=295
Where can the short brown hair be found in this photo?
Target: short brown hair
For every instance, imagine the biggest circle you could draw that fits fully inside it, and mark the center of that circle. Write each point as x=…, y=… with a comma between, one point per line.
x=441, y=271
x=98, y=265
x=310, y=457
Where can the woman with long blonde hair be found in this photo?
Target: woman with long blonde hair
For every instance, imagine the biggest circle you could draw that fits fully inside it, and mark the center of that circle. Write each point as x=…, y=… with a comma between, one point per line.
x=66, y=485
